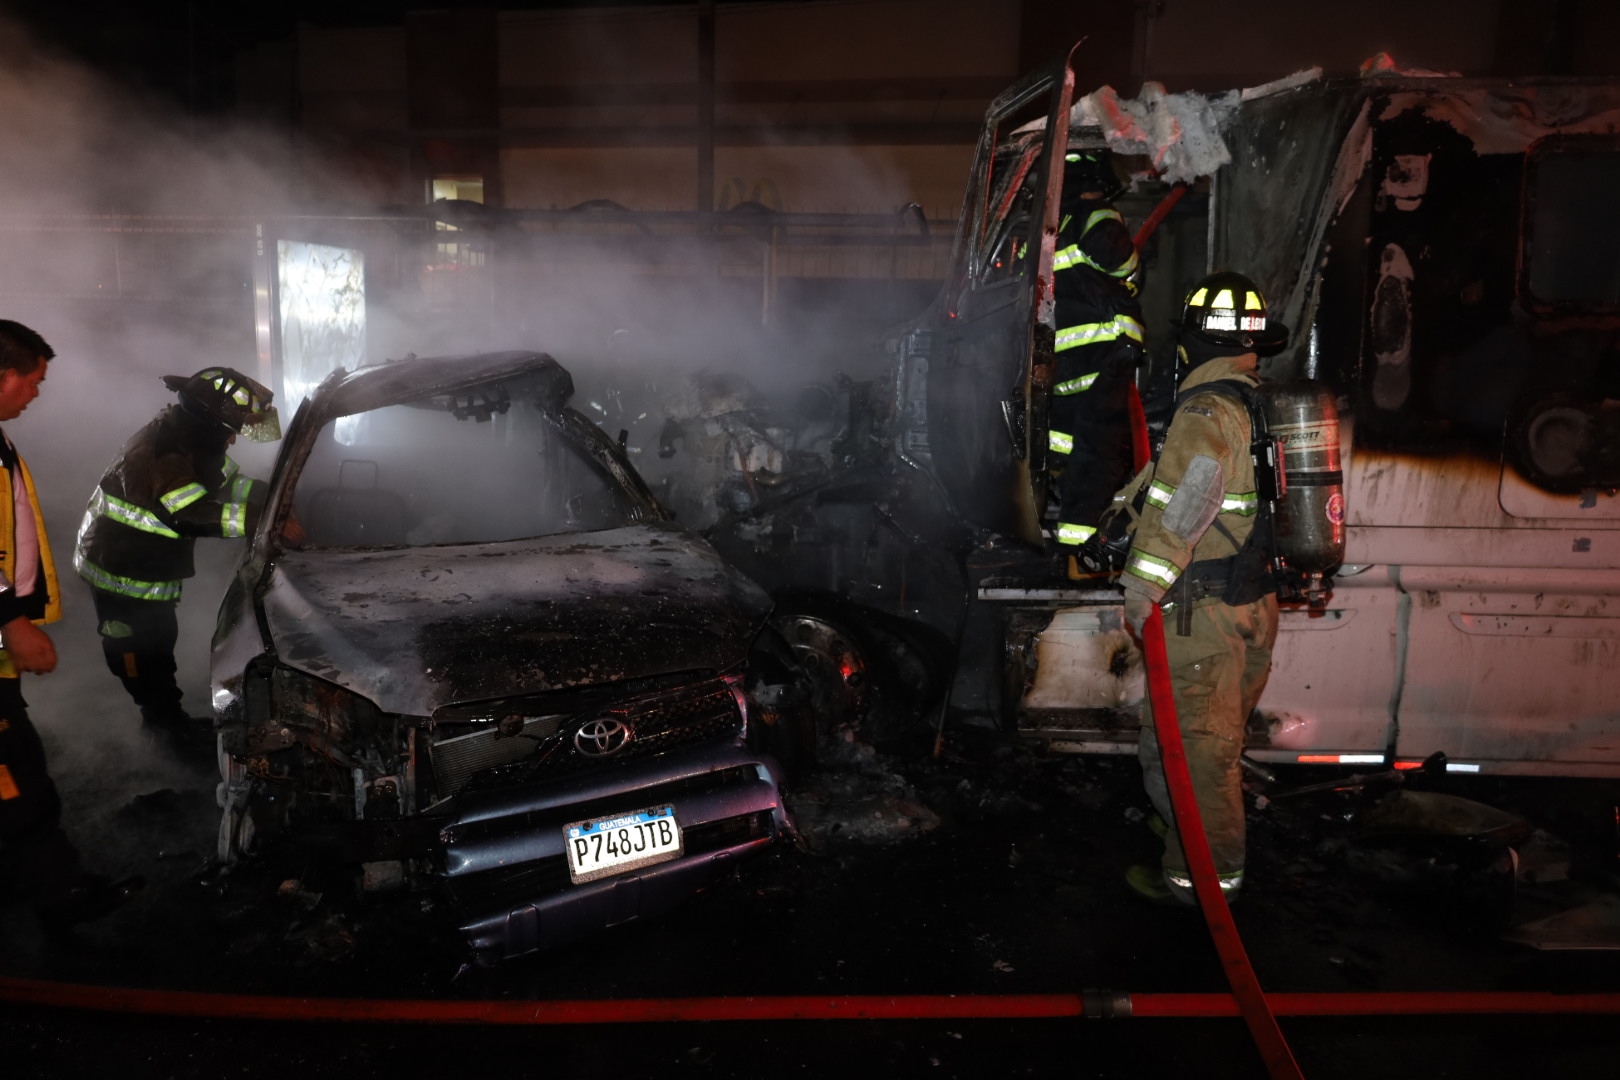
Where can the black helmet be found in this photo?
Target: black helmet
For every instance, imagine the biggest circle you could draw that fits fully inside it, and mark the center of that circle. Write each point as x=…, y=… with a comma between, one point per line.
x=224, y=396
x=1227, y=309
x=1089, y=166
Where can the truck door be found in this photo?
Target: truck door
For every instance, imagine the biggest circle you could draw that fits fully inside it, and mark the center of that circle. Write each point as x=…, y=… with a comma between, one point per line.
x=986, y=408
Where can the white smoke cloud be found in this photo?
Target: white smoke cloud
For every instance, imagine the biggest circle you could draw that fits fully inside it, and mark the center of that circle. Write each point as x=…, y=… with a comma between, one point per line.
x=125, y=298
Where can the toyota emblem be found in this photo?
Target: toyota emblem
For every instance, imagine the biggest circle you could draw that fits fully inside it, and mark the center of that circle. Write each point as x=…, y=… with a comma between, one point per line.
x=601, y=737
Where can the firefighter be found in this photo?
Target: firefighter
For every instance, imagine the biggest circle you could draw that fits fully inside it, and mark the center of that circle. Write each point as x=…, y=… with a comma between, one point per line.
x=1098, y=345
x=1220, y=608
x=36, y=857
x=171, y=483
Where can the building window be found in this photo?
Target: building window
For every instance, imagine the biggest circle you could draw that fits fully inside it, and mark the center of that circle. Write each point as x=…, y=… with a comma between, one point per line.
x=461, y=189
x=464, y=188
x=1574, y=225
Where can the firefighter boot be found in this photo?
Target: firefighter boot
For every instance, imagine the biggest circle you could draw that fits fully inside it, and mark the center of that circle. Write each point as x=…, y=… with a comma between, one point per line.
x=173, y=727
x=1148, y=883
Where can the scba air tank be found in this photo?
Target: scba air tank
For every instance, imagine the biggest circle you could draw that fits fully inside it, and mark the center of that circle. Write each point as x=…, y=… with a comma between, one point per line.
x=1303, y=418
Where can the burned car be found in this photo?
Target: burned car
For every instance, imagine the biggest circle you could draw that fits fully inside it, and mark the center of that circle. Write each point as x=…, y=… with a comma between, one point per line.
x=468, y=652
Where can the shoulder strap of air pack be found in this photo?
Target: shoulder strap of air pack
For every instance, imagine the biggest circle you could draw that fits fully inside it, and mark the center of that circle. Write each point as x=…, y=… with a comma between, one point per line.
x=1237, y=390
x=1129, y=498
x=1249, y=575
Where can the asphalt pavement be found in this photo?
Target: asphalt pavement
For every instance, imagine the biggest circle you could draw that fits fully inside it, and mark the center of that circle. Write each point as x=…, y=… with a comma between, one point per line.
x=992, y=870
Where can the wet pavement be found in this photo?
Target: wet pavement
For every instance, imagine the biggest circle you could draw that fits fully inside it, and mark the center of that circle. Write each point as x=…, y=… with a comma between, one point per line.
x=991, y=870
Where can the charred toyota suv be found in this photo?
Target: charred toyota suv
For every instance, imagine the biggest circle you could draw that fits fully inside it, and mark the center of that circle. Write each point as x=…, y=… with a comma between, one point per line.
x=467, y=651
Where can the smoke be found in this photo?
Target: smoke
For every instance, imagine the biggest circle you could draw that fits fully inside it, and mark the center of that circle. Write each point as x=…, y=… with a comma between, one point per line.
x=634, y=312
x=659, y=306
x=122, y=301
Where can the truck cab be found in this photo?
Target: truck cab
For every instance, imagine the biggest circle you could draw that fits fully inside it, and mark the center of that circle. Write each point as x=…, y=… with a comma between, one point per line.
x=1444, y=252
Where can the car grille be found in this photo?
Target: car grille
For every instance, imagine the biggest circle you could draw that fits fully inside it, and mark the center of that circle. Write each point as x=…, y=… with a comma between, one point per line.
x=511, y=886
x=526, y=881
x=458, y=758
x=659, y=721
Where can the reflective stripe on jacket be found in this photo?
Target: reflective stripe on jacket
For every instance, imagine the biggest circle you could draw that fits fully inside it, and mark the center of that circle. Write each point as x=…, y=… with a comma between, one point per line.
x=1105, y=258
x=166, y=488
x=1091, y=280
x=1069, y=337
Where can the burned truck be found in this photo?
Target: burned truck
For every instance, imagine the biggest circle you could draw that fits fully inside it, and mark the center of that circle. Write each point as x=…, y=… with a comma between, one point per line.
x=1445, y=255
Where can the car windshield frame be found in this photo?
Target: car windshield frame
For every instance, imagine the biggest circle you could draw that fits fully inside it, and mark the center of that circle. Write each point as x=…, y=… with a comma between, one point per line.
x=532, y=390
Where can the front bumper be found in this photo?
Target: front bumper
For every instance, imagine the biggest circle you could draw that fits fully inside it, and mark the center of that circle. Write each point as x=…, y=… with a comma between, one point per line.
x=504, y=860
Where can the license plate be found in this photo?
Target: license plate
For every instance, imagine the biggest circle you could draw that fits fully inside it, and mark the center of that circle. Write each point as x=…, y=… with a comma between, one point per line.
x=601, y=847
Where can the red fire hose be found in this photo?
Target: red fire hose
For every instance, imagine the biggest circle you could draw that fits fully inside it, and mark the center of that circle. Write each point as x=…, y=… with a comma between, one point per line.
x=1092, y=1004
x=1160, y=212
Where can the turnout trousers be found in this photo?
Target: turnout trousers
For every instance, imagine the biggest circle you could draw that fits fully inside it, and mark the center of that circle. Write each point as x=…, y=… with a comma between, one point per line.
x=137, y=640
x=1089, y=420
x=1217, y=673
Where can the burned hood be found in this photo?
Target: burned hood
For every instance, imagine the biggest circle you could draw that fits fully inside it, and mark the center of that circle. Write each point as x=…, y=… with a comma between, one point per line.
x=419, y=628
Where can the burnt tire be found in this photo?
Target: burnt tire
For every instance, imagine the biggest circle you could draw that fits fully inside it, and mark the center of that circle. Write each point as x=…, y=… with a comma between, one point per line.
x=863, y=670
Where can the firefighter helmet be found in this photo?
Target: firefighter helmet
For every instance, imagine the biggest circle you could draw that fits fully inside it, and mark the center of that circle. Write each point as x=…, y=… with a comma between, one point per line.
x=225, y=396
x=1227, y=309
x=1088, y=164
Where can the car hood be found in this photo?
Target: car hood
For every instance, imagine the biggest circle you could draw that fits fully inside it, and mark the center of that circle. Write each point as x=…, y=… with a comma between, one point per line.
x=419, y=628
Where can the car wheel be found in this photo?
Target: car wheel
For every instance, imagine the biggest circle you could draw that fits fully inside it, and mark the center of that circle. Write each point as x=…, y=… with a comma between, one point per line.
x=861, y=669
x=830, y=656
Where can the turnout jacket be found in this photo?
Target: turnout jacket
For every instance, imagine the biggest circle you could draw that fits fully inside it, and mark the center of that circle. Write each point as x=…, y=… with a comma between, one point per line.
x=1091, y=277
x=165, y=489
x=1204, y=473
x=42, y=604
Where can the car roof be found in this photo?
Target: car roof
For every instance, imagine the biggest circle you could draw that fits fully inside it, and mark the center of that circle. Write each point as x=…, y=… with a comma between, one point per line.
x=375, y=385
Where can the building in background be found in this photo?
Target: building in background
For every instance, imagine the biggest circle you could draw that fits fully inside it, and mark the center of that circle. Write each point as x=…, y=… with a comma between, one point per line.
x=835, y=106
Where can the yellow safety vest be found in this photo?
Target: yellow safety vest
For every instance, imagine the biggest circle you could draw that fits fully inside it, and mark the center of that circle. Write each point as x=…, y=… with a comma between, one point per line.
x=8, y=557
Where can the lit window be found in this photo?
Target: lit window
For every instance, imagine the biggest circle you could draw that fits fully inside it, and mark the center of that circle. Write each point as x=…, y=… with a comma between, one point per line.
x=464, y=188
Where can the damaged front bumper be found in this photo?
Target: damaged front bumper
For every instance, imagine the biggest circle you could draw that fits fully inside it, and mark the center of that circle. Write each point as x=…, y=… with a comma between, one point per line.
x=505, y=852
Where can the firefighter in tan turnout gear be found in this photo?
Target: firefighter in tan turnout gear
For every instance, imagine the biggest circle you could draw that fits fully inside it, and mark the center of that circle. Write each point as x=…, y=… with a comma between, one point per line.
x=171, y=483
x=1220, y=608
